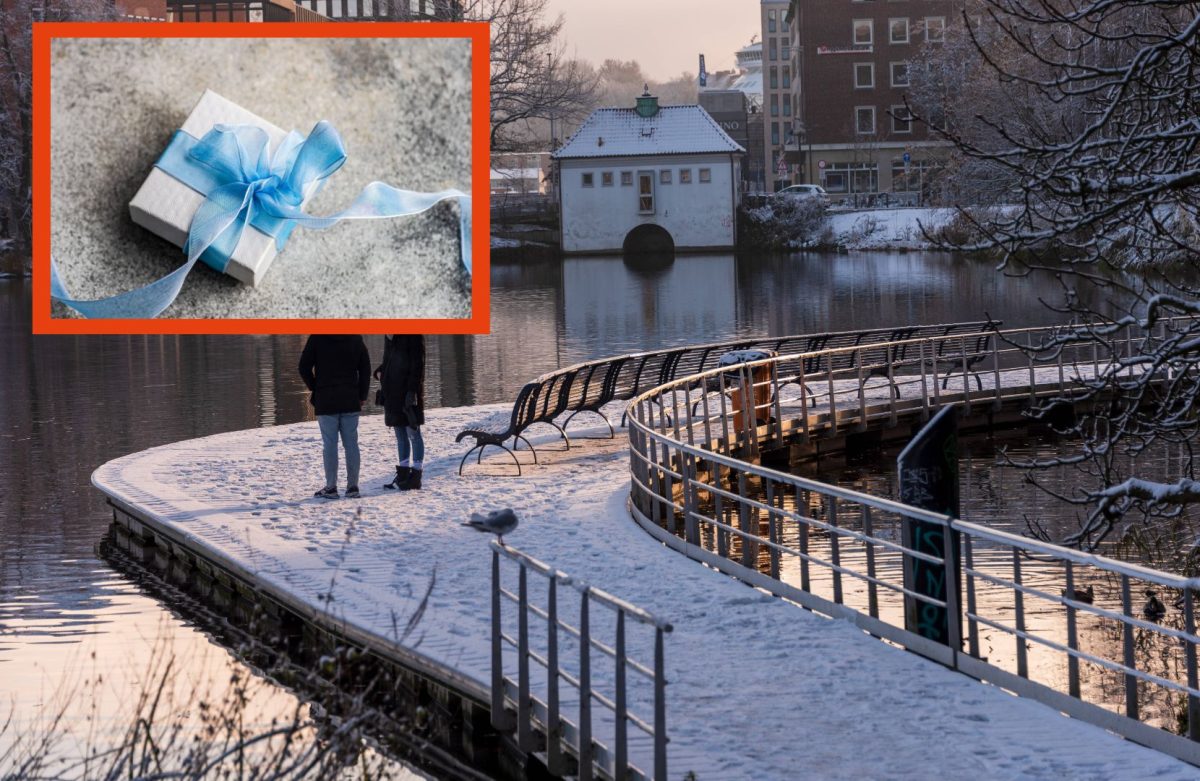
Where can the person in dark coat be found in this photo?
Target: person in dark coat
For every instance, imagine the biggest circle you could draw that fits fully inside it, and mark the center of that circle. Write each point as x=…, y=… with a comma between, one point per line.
x=402, y=382
x=337, y=369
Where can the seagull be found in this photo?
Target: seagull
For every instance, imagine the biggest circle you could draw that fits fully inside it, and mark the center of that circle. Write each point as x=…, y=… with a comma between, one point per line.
x=498, y=522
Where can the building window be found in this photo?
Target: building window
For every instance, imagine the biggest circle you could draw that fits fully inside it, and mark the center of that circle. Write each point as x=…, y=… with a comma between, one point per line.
x=774, y=77
x=901, y=119
x=786, y=46
x=774, y=50
x=787, y=77
x=645, y=192
x=914, y=176
x=864, y=120
x=664, y=176
x=774, y=105
x=771, y=21
x=787, y=106
x=864, y=75
x=627, y=178
x=851, y=178
x=606, y=179
x=935, y=29
x=588, y=180
x=898, y=30
x=774, y=134
x=864, y=32
x=899, y=74
x=705, y=175
x=685, y=176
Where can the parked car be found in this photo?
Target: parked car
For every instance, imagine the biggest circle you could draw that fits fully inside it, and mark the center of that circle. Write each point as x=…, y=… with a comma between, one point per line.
x=804, y=191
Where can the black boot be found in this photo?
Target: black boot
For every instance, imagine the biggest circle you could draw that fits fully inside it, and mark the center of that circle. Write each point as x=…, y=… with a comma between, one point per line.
x=400, y=479
x=414, y=481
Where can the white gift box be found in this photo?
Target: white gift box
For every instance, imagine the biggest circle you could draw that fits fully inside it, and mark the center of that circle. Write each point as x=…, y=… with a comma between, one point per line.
x=165, y=206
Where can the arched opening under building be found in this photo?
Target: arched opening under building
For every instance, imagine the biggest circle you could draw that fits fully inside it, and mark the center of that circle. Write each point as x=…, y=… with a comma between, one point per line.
x=648, y=238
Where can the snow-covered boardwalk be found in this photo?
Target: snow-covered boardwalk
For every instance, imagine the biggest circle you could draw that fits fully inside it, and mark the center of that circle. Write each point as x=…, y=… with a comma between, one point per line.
x=759, y=688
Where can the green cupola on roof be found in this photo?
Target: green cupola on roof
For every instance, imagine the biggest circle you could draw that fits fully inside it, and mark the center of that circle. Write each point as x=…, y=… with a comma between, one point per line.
x=647, y=104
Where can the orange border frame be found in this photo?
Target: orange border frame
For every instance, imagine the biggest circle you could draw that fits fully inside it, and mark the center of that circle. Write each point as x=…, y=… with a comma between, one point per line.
x=476, y=32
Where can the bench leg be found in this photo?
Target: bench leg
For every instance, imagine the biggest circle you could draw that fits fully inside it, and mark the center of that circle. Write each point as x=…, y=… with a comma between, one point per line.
x=519, y=438
x=611, y=434
x=562, y=432
x=466, y=456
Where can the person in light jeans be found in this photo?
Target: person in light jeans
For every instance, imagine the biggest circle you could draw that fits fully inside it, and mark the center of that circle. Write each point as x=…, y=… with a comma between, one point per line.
x=402, y=386
x=337, y=370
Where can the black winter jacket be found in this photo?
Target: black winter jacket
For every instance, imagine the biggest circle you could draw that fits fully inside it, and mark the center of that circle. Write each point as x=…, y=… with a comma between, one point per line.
x=402, y=379
x=337, y=369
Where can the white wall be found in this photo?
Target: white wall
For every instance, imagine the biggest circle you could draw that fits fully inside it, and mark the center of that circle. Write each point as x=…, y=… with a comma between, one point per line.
x=697, y=215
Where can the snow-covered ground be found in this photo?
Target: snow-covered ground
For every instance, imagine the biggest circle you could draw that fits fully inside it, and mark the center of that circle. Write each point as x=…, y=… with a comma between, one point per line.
x=759, y=688
x=885, y=229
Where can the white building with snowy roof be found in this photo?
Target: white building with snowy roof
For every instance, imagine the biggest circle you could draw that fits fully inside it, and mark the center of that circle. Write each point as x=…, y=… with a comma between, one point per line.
x=648, y=178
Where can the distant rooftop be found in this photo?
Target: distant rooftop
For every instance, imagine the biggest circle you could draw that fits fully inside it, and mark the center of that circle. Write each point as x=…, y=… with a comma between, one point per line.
x=669, y=130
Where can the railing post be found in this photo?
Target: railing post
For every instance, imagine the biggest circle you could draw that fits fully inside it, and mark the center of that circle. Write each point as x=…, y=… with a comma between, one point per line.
x=802, y=533
x=749, y=546
x=962, y=343
x=1189, y=649
x=1131, y=696
x=835, y=554
x=500, y=718
x=1072, y=635
x=691, y=503
x=585, y=691
x=951, y=569
x=872, y=588
x=554, y=752
x=660, y=708
x=524, y=717
x=621, y=770
x=1019, y=615
x=925, y=382
x=972, y=624
x=773, y=529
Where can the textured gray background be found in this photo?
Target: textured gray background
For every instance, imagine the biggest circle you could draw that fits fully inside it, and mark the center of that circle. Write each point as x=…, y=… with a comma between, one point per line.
x=402, y=106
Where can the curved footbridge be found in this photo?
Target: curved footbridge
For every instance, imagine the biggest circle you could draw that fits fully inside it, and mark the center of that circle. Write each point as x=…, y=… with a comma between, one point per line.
x=759, y=688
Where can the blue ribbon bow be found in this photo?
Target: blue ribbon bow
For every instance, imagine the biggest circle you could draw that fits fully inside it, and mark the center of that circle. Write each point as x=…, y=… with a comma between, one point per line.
x=244, y=184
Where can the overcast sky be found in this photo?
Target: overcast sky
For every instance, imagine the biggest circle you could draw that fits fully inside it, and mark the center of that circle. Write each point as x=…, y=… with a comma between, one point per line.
x=665, y=36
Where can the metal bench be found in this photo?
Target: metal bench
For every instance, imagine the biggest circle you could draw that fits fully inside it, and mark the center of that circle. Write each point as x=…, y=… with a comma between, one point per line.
x=494, y=432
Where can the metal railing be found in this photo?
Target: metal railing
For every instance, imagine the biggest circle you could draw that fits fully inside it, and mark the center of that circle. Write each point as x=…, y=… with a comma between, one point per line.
x=535, y=706
x=1042, y=620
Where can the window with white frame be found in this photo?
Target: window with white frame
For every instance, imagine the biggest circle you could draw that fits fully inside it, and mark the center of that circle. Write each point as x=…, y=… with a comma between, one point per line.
x=899, y=74
x=901, y=119
x=664, y=176
x=685, y=176
x=627, y=178
x=606, y=179
x=705, y=175
x=864, y=32
x=935, y=29
x=864, y=120
x=645, y=192
x=864, y=75
x=589, y=180
x=898, y=30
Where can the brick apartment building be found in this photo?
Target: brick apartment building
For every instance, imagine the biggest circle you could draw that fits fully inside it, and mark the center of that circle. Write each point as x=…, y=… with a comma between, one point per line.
x=849, y=65
x=777, y=105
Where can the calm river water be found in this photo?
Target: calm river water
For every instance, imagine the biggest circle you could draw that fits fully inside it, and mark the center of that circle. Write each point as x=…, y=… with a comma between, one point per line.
x=68, y=404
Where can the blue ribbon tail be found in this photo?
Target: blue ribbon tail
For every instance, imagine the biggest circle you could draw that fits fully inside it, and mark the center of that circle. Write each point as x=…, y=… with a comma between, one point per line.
x=380, y=201
x=145, y=302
